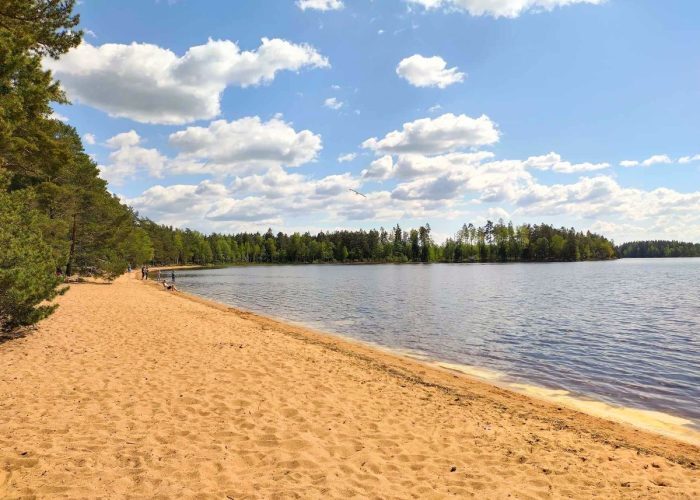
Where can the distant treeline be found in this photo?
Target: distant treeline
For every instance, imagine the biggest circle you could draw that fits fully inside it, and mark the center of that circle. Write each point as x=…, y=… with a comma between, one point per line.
x=658, y=248
x=499, y=242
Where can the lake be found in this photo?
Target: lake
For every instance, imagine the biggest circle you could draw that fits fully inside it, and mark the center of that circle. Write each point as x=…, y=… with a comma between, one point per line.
x=625, y=332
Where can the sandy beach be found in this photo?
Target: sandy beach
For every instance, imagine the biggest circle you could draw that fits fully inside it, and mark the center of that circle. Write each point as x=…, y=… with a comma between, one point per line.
x=132, y=391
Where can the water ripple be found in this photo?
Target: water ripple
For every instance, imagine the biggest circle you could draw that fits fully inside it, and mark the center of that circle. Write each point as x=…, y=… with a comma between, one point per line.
x=625, y=332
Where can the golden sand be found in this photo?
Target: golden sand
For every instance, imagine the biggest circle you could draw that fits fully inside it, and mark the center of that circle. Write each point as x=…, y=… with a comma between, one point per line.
x=132, y=391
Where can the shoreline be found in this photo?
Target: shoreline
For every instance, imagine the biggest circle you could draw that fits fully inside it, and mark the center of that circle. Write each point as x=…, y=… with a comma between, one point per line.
x=131, y=390
x=649, y=420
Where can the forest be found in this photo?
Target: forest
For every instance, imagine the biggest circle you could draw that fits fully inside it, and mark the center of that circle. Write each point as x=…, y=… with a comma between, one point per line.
x=658, y=248
x=499, y=242
x=56, y=215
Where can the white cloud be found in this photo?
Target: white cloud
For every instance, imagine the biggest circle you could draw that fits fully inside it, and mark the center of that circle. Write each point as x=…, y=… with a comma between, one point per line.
x=422, y=71
x=320, y=4
x=410, y=166
x=333, y=103
x=656, y=159
x=652, y=160
x=602, y=197
x=438, y=188
x=380, y=169
x=553, y=161
x=688, y=159
x=434, y=109
x=123, y=140
x=347, y=157
x=428, y=187
x=89, y=139
x=130, y=158
x=151, y=84
x=445, y=133
x=456, y=174
x=244, y=145
x=428, y=168
x=499, y=8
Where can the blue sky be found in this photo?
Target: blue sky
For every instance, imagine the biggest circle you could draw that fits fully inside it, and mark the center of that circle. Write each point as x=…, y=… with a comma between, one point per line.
x=446, y=111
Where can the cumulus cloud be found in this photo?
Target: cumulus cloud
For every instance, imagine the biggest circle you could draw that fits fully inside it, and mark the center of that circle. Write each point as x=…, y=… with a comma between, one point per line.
x=130, y=158
x=422, y=71
x=602, y=196
x=320, y=4
x=244, y=145
x=410, y=166
x=150, y=84
x=426, y=171
x=438, y=188
x=427, y=186
x=499, y=8
x=333, y=103
x=380, y=169
x=451, y=176
x=629, y=163
x=445, y=133
x=89, y=139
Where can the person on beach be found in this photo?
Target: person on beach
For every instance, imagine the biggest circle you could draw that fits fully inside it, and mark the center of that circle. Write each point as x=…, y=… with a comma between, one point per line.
x=172, y=276
x=170, y=286
x=143, y=272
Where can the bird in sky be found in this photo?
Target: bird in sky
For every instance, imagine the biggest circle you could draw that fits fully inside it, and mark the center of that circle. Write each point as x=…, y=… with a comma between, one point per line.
x=357, y=192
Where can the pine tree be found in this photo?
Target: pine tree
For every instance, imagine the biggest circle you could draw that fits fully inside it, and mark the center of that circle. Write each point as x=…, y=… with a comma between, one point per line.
x=27, y=269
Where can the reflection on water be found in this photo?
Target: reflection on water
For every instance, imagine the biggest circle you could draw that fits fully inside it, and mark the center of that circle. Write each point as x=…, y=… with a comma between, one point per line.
x=625, y=332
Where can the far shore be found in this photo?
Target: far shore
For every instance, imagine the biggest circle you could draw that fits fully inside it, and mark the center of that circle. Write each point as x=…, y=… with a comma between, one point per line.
x=130, y=390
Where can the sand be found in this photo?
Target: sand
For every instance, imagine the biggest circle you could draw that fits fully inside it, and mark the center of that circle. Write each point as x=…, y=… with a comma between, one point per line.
x=132, y=391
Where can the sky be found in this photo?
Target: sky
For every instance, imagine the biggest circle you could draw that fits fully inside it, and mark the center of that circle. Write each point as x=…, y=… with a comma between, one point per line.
x=239, y=115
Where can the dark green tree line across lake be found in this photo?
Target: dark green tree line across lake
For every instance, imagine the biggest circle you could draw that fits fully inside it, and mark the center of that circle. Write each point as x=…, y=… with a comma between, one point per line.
x=57, y=217
x=499, y=242
x=658, y=248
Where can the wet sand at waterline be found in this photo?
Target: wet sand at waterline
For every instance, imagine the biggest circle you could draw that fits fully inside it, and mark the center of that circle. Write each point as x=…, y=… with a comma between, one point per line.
x=129, y=390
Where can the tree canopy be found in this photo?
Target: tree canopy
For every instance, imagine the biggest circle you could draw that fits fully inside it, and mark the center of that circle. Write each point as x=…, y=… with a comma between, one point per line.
x=57, y=216
x=658, y=248
x=499, y=242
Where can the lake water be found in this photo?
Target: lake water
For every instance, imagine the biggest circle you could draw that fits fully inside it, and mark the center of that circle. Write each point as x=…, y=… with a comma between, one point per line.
x=625, y=332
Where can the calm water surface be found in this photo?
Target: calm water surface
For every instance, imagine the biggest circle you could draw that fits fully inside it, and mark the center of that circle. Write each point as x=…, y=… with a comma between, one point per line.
x=625, y=332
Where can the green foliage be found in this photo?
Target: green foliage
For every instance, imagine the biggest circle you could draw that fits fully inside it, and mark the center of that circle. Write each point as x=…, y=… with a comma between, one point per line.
x=27, y=268
x=492, y=243
x=45, y=27
x=659, y=248
x=56, y=211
